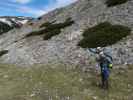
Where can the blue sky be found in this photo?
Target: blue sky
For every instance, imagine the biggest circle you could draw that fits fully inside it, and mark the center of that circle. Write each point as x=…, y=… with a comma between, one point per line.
x=33, y=8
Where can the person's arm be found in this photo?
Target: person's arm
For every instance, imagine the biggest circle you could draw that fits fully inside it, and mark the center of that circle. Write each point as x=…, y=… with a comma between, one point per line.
x=91, y=50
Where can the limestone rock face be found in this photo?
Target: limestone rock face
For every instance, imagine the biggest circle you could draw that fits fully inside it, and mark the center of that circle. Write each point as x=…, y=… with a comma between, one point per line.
x=63, y=48
x=8, y=23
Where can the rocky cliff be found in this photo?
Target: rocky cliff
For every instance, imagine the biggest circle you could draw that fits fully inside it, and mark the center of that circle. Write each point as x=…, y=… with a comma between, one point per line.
x=9, y=22
x=62, y=48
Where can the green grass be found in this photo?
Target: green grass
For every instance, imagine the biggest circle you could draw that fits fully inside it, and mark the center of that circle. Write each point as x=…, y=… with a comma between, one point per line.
x=58, y=82
x=111, y=3
x=103, y=34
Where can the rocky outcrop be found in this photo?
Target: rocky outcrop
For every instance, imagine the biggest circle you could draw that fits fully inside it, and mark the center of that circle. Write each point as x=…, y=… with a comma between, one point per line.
x=7, y=22
x=63, y=48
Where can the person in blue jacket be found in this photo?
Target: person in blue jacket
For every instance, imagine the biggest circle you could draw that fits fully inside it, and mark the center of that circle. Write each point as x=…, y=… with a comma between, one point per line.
x=105, y=66
x=105, y=63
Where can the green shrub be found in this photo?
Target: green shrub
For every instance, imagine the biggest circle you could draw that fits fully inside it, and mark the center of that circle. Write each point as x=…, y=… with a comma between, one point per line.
x=45, y=24
x=30, y=23
x=39, y=18
x=52, y=25
x=51, y=29
x=103, y=34
x=35, y=33
x=3, y=52
x=52, y=33
x=58, y=26
x=55, y=29
x=4, y=28
x=115, y=2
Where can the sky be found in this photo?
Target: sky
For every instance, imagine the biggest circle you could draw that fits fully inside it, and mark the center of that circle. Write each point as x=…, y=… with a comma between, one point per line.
x=30, y=8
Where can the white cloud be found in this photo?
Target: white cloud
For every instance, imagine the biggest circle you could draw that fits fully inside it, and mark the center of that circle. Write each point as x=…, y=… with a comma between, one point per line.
x=35, y=12
x=64, y=2
x=60, y=3
x=23, y=9
x=39, y=12
x=22, y=1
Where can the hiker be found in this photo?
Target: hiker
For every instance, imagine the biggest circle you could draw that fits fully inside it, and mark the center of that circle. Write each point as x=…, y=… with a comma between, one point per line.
x=105, y=62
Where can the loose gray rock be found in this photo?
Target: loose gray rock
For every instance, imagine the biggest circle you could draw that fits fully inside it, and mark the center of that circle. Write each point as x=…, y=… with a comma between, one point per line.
x=63, y=47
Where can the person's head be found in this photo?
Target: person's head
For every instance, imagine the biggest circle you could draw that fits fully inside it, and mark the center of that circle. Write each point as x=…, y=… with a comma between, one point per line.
x=102, y=54
x=99, y=49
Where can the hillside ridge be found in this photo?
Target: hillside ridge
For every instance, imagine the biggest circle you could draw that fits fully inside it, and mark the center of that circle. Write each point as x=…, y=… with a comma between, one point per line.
x=62, y=48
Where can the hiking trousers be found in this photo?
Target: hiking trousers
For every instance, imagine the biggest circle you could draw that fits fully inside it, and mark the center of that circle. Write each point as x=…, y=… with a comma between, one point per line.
x=104, y=80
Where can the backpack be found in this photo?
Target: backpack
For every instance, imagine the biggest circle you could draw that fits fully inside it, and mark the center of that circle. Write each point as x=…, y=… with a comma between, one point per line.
x=108, y=54
x=109, y=61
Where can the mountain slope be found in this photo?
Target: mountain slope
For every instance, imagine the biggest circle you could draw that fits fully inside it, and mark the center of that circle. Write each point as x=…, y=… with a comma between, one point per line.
x=7, y=23
x=62, y=48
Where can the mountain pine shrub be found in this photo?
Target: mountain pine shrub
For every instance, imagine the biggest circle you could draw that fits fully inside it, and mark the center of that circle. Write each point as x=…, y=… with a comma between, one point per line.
x=4, y=28
x=3, y=52
x=45, y=24
x=50, y=29
x=55, y=29
x=111, y=3
x=35, y=33
x=39, y=18
x=103, y=34
x=52, y=33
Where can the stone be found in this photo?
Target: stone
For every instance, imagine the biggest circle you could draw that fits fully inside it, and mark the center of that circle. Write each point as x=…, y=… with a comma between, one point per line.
x=63, y=47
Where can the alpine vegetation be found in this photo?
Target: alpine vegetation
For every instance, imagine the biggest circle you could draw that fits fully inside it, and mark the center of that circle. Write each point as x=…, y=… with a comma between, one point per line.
x=46, y=24
x=103, y=34
x=3, y=52
x=4, y=28
x=8, y=23
x=55, y=29
x=115, y=2
x=50, y=29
